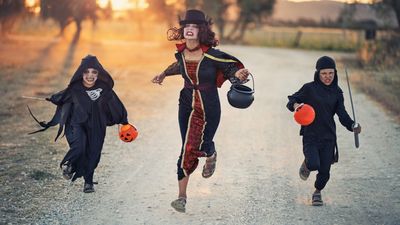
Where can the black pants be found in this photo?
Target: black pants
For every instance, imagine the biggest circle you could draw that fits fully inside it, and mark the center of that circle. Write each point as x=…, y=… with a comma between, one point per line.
x=319, y=155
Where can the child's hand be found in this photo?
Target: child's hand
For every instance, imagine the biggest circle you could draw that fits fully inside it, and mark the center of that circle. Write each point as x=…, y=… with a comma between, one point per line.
x=356, y=128
x=242, y=74
x=297, y=106
x=158, y=79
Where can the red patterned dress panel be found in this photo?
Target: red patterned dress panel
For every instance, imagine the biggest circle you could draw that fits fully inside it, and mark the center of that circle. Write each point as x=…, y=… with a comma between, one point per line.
x=194, y=136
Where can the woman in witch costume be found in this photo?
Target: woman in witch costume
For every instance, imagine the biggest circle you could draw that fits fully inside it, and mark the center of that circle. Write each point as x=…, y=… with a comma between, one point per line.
x=84, y=109
x=203, y=69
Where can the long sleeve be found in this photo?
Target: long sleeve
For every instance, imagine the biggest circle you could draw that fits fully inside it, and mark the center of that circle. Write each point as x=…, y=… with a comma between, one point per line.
x=172, y=69
x=118, y=113
x=58, y=98
x=228, y=69
x=344, y=117
x=298, y=97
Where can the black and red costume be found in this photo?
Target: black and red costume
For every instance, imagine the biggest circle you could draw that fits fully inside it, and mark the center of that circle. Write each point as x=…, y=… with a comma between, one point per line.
x=84, y=113
x=199, y=105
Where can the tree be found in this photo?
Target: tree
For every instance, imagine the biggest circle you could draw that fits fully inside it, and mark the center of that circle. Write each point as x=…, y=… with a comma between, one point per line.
x=346, y=16
x=217, y=10
x=10, y=10
x=383, y=6
x=251, y=11
x=164, y=12
x=66, y=11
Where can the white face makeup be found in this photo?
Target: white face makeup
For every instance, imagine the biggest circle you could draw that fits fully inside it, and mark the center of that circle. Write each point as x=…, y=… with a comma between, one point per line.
x=90, y=77
x=326, y=76
x=191, y=31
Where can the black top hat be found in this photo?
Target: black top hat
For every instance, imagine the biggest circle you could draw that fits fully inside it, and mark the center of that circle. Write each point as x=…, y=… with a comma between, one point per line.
x=194, y=16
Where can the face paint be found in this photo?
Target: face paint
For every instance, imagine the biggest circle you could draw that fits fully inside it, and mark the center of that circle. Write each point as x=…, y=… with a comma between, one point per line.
x=90, y=77
x=191, y=31
x=326, y=76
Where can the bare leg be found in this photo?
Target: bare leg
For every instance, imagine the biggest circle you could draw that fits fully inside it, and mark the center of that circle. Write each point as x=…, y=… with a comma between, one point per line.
x=180, y=203
x=183, y=187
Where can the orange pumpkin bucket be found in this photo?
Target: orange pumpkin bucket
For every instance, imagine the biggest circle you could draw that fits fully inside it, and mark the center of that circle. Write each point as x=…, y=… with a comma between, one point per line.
x=304, y=114
x=128, y=133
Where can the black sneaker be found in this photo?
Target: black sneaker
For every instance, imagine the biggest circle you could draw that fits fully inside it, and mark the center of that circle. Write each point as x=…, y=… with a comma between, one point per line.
x=317, y=199
x=88, y=188
x=67, y=172
x=303, y=171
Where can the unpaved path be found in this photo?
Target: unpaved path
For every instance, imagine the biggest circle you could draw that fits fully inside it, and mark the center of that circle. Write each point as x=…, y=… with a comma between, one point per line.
x=256, y=181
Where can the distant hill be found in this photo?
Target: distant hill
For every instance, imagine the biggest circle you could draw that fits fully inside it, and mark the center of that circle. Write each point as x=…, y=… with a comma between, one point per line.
x=325, y=10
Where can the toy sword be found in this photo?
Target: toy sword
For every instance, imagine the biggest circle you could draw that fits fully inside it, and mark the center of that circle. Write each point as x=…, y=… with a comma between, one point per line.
x=356, y=140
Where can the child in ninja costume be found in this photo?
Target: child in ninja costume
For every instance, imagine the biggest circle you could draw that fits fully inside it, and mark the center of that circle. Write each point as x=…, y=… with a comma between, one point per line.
x=319, y=138
x=84, y=109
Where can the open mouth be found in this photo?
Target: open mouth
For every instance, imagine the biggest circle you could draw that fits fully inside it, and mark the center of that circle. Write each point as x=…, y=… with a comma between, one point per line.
x=189, y=33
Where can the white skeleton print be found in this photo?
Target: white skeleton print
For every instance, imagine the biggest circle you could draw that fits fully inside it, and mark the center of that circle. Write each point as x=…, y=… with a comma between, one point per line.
x=94, y=94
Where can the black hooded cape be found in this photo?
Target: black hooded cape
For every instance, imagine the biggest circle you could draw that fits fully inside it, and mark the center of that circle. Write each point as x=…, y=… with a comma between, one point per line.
x=83, y=119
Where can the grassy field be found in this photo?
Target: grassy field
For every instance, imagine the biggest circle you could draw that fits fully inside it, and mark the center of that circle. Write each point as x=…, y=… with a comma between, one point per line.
x=301, y=37
x=383, y=85
x=306, y=38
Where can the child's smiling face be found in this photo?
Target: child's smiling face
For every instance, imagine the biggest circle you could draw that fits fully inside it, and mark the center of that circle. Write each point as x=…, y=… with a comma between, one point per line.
x=90, y=77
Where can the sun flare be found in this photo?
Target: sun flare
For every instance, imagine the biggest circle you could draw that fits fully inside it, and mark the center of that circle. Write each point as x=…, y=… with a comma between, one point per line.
x=121, y=5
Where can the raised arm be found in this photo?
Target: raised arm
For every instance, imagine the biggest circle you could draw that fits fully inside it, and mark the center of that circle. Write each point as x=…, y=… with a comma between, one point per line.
x=171, y=70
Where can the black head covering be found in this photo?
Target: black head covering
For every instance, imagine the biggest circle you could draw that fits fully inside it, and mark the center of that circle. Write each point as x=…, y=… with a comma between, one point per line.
x=91, y=61
x=194, y=16
x=326, y=62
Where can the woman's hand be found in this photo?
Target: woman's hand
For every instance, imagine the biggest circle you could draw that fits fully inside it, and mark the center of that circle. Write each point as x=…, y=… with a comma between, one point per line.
x=242, y=74
x=158, y=79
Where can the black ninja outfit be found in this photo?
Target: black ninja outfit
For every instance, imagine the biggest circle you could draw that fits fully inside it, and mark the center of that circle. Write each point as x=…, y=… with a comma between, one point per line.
x=319, y=138
x=85, y=113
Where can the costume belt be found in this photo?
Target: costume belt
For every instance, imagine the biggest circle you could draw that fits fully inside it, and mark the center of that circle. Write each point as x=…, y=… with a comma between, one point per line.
x=201, y=87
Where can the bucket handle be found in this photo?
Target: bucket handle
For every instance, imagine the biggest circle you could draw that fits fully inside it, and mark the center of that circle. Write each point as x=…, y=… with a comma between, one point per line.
x=252, y=78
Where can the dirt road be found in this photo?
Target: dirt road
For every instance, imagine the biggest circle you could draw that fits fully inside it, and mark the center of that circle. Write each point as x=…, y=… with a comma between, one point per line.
x=256, y=181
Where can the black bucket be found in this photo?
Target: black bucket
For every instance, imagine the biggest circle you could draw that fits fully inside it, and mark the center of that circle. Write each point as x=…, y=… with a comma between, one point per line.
x=241, y=96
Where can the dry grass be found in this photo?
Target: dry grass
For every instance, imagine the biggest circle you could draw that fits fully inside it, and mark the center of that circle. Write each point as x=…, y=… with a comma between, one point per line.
x=311, y=38
x=382, y=85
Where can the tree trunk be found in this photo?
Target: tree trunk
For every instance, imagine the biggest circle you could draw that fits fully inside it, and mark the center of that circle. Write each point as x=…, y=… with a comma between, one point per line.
x=243, y=29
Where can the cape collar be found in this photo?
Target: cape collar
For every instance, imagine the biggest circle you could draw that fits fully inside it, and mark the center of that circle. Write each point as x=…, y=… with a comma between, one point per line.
x=181, y=47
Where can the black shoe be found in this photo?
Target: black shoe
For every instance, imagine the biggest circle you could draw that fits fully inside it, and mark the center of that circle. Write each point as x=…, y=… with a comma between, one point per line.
x=303, y=171
x=317, y=199
x=67, y=172
x=88, y=188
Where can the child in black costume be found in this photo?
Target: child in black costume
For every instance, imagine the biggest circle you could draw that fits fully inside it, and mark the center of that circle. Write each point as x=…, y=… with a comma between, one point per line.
x=85, y=108
x=319, y=138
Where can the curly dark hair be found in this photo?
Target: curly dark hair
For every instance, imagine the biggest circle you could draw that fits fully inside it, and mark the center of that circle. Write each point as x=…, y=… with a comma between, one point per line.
x=206, y=35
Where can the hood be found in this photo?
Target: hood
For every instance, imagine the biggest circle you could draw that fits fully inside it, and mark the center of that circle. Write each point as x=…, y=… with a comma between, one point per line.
x=91, y=61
